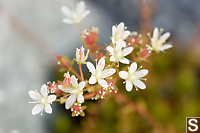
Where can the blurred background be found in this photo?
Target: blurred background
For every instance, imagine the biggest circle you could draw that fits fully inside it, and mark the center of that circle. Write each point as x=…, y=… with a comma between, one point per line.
x=31, y=31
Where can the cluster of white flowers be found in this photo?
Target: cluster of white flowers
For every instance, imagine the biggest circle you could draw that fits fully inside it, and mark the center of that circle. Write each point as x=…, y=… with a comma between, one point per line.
x=73, y=91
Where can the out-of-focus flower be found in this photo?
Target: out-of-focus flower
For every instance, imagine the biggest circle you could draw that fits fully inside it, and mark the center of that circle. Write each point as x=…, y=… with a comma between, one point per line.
x=158, y=41
x=77, y=109
x=76, y=15
x=80, y=55
x=119, y=33
x=134, y=39
x=74, y=92
x=43, y=100
x=118, y=54
x=134, y=77
x=90, y=36
x=53, y=87
x=99, y=74
x=145, y=53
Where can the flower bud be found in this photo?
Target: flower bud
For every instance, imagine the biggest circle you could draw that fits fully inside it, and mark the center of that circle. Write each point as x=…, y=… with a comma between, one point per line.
x=145, y=53
x=63, y=61
x=80, y=55
x=67, y=80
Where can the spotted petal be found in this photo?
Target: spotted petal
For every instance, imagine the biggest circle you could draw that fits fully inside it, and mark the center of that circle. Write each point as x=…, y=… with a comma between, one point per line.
x=74, y=81
x=70, y=101
x=142, y=73
x=64, y=88
x=123, y=74
x=35, y=95
x=101, y=64
x=48, y=108
x=44, y=90
x=103, y=83
x=37, y=109
x=139, y=84
x=51, y=98
x=91, y=67
x=107, y=72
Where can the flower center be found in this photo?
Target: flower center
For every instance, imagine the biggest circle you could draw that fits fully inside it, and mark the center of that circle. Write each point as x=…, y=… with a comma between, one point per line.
x=44, y=101
x=76, y=18
x=98, y=75
x=117, y=36
x=76, y=91
x=132, y=77
x=118, y=55
x=158, y=43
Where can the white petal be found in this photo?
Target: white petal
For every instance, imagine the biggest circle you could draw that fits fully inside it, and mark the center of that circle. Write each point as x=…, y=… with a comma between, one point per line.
x=142, y=73
x=37, y=109
x=164, y=37
x=92, y=80
x=44, y=90
x=51, y=98
x=123, y=74
x=35, y=95
x=107, y=72
x=112, y=58
x=103, y=83
x=126, y=34
x=119, y=45
x=101, y=64
x=127, y=51
x=48, y=108
x=68, y=21
x=129, y=85
x=164, y=47
x=80, y=98
x=70, y=101
x=120, y=27
x=85, y=14
x=110, y=49
x=139, y=84
x=74, y=81
x=66, y=11
x=64, y=89
x=124, y=61
x=80, y=7
x=81, y=85
x=155, y=34
x=133, y=67
x=113, y=30
x=91, y=67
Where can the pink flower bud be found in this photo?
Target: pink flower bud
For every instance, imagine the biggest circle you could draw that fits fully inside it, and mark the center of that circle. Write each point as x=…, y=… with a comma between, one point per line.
x=145, y=53
x=67, y=80
x=80, y=55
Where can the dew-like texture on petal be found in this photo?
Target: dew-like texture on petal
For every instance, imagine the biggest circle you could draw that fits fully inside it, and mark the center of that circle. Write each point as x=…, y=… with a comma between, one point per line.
x=107, y=72
x=129, y=85
x=37, y=109
x=142, y=73
x=127, y=51
x=124, y=61
x=133, y=67
x=81, y=85
x=51, y=98
x=101, y=64
x=164, y=37
x=92, y=80
x=103, y=83
x=74, y=81
x=80, y=98
x=123, y=74
x=44, y=90
x=139, y=84
x=112, y=58
x=110, y=49
x=91, y=67
x=64, y=89
x=66, y=11
x=48, y=108
x=35, y=95
x=70, y=101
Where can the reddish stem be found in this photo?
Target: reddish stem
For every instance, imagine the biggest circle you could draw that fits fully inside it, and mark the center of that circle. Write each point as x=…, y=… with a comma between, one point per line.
x=75, y=73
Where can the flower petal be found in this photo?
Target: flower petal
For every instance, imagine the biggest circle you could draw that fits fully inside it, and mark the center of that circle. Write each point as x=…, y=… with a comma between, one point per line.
x=92, y=80
x=124, y=61
x=113, y=30
x=164, y=47
x=112, y=58
x=164, y=37
x=35, y=95
x=70, y=101
x=51, y=98
x=120, y=27
x=91, y=67
x=139, y=84
x=68, y=21
x=129, y=85
x=133, y=67
x=142, y=73
x=44, y=90
x=48, y=108
x=119, y=45
x=81, y=85
x=101, y=64
x=80, y=7
x=37, y=109
x=74, y=81
x=107, y=72
x=110, y=49
x=155, y=34
x=127, y=51
x=80, y=98
x=123, y=74
x=64, y=89
x=103, y=83
x=66, y=11
x=126, y=34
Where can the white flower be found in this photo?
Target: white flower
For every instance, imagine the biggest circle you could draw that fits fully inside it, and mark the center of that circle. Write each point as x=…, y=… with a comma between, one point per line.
x=158, y=41
x=80, y=55
x=119, y=33
x=99, y=74
x=118, y=54
x=43, y=100
x=75, y=92
x=76, y=15
x=134, y=77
